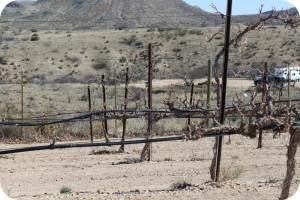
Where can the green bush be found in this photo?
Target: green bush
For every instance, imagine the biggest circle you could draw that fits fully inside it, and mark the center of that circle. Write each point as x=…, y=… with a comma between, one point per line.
x=64, y=190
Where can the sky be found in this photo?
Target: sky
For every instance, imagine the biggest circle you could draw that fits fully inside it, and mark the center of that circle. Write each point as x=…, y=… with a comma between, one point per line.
x=241, y=6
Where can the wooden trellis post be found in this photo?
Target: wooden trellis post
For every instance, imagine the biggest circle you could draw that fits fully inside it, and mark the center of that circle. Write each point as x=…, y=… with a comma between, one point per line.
x=208, y=93
x=122, y=148
x=147, y=150
x=90, y=109
x=104, y=108
x=191, y=102
x=263, y=102
x=224, y=87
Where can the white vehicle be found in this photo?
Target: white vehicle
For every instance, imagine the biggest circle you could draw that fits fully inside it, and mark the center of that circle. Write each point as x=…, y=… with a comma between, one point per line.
x=288, y=73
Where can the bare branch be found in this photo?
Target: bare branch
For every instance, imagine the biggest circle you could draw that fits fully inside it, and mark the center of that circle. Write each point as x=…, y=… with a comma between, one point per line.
x=212, y=36
x=217, y=11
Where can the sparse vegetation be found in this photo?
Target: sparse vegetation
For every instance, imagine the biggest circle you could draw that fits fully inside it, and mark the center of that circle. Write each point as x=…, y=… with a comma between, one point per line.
x=180, y=185
x=128, y=161
x=3, y=60
x=231, y=172
x=35, y=37
x=65, y=189
x=130, y=40
x=101, y=64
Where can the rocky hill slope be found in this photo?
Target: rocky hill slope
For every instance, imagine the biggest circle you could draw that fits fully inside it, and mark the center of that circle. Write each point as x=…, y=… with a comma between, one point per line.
x=118, y=14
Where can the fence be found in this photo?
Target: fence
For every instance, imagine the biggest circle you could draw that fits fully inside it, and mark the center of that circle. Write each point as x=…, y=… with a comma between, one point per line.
x=279, y=119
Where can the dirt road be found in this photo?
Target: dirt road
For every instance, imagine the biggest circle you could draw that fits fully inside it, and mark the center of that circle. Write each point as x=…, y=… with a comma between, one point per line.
x=179, y=170
x=167, y=82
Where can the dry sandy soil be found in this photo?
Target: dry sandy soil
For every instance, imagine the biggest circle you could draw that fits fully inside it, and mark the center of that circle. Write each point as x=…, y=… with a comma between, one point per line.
x=241, y=83
x=41, y=174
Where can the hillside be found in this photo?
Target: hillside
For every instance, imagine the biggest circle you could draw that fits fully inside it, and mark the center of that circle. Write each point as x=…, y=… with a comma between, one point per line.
x=54, y=52
x=106, y=14
x=78, y=56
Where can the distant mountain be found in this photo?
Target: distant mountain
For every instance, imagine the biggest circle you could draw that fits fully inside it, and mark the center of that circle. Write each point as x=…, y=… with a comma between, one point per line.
x=118, y=14
x=111, y=14
x=292, y=11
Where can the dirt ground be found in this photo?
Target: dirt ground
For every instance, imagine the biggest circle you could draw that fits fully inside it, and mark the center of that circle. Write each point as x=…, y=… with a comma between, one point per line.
x=179, y=170
x=241, y=83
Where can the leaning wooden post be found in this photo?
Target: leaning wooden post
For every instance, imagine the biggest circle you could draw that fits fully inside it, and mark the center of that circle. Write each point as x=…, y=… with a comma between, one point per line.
x=90, y=109
x=122, y=148
x=290, y=171
x=263, y=103
x=147, y=150
x=224, y=87
x=104, y=108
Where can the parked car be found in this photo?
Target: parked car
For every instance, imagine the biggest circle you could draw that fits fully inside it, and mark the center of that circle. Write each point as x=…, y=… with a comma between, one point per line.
x=259, y=79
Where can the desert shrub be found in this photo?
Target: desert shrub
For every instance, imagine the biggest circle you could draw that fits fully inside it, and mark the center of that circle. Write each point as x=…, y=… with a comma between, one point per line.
x=24, y=39
x=237, y=63
x=298, y=52
x=73, y=59
x=9, y=38
x=162, y=29
x=252, y=45
x=65, y=189
x=136, y=93
x=218, y=38
x=180, y=185
x=17, y=32
x=77, y=3
x=33, y=30
x=231, y=172
x=83, y=98
x=91, y=78
x=167, y=35
x=128, y=161
x=122, y=59
x=176, y=50
x=130, y=40
x=101, y=64
x=287, y=42
x=9, y=132
x=248, y=54
x=286, y=62
x=181, y=32
x=151, y=30
x=3, y=60
x=139, y=44
x=67, y=79
x=35, y=37
x=195, y=32
x=122, y=25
